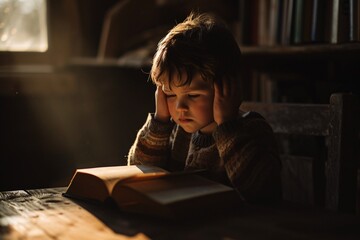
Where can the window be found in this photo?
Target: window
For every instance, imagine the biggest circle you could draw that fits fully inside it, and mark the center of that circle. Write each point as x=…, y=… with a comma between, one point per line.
x=23, y=26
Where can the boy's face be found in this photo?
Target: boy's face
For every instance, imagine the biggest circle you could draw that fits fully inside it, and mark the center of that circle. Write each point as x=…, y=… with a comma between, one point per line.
x=191, y=106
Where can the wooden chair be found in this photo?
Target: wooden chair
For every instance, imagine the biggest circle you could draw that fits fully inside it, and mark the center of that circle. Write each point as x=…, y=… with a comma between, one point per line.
x=328, y=177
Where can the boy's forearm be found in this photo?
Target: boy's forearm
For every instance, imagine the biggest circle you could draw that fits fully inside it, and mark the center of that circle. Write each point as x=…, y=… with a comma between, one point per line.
x=151, y=146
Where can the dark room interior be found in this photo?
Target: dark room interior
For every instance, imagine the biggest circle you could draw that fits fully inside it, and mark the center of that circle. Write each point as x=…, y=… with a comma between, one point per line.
x=79, y=101
x=67, y=107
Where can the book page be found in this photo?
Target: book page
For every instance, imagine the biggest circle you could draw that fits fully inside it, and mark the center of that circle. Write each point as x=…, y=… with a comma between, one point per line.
x=113, y=174
x=98, y=183
x=170, y=189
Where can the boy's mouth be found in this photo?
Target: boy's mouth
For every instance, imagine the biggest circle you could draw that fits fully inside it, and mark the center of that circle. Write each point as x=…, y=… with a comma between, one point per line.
x=184, y=120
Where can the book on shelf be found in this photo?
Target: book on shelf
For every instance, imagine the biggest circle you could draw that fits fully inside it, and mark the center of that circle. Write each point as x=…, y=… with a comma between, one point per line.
x=152, y=190
x=308, y=15
x=263, y=22
x=334, y=21
x=343, y=34
x=274, y=22
x=297, y=28
x=288, y=18
x=354, y=21
x=286, y=22
x=320, y=12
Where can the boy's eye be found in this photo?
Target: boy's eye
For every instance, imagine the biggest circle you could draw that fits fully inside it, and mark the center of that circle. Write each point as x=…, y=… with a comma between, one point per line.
x=193, y=95
x=170, y=95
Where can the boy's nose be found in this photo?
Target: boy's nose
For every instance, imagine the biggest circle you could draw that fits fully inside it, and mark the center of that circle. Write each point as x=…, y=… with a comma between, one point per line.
x=181, y=106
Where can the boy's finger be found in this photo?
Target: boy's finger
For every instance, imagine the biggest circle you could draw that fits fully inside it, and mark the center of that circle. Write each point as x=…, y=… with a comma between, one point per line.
x=226, y=84
x=218, y=89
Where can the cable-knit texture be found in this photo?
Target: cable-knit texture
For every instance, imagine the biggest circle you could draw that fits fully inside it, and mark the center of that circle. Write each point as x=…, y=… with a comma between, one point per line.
x=241, y=153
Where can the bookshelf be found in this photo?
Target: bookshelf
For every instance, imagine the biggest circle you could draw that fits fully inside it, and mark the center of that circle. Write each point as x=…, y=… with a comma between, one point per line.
x=299, y=50
x=289, y=58
x=280, y=39
x=317, y=49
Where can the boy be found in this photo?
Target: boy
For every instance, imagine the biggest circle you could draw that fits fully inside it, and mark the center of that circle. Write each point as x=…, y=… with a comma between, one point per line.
x=197, y=124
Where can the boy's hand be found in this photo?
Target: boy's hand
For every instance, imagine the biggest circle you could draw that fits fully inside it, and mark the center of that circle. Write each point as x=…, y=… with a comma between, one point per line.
x=226, y=100
x=162, y=113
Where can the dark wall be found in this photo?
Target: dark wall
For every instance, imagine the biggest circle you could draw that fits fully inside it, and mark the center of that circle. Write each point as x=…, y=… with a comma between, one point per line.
x=52, y=124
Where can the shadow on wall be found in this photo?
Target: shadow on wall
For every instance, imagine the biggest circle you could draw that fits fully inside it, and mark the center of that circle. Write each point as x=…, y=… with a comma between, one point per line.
x=53, y=124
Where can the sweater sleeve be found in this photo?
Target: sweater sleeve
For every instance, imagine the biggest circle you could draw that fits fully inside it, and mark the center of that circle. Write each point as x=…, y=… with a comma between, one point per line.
x=248, y=151
x=151, y=146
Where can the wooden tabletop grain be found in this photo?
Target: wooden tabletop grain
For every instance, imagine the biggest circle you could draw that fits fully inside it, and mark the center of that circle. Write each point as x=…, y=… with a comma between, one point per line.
x=46, y=214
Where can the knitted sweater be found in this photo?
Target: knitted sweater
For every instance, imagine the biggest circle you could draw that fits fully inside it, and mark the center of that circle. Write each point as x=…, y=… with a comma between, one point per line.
x=241, y=153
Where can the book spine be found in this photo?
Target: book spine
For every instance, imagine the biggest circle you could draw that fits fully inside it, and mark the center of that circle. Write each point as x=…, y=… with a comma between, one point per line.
x=307, y=20
x=290, y=20
x=344, y=21
x=245, y=22
x=241, y=31
x=358, y=21
x=314, y=22
x=357, y=27
x=274, y=21
x=287, y=21
x=279, y=23
x=298, y=22
x=263, y=21
x=327, y=20
x=254, y=20
x=354, y=20
x=320, y=9
x=334, y=22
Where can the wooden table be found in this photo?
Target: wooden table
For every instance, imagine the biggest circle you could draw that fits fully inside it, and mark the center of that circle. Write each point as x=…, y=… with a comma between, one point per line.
x=46, y=214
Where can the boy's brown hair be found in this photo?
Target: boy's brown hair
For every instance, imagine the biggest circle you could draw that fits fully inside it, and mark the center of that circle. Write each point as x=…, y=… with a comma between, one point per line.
x=203, y=44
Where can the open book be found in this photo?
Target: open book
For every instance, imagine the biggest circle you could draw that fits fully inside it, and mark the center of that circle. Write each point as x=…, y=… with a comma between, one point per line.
x=152, y=190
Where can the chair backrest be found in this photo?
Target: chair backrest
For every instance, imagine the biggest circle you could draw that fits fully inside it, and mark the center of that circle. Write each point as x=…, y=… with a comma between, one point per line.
x=328, y=177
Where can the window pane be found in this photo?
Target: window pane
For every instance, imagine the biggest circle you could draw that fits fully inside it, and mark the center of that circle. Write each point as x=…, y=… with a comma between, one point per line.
x=23, y=25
